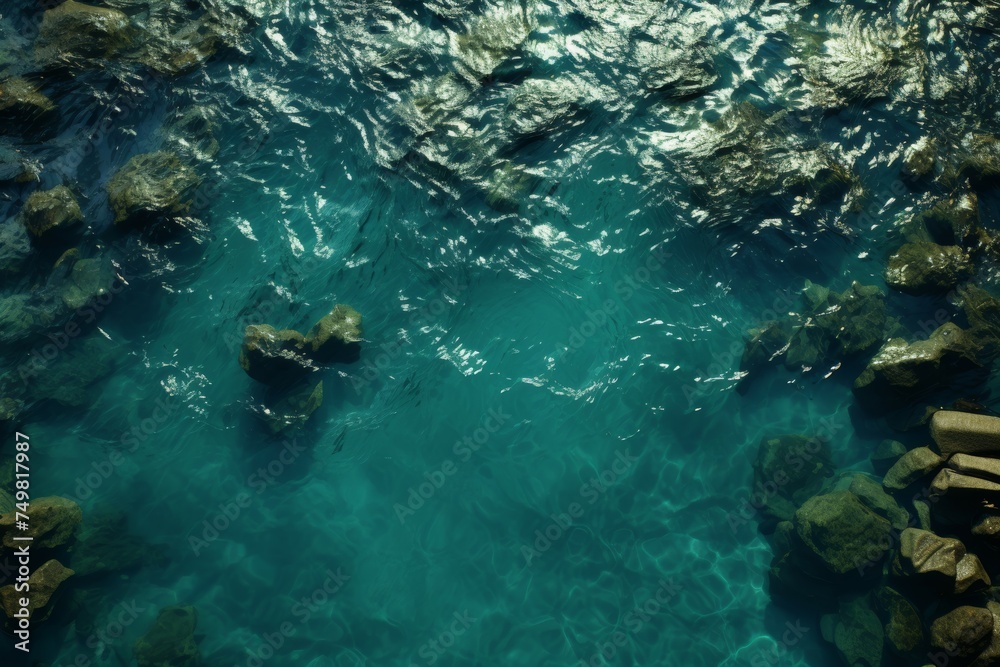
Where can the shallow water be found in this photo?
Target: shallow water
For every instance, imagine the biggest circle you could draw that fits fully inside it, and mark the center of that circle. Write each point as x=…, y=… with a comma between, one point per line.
x=594, y=331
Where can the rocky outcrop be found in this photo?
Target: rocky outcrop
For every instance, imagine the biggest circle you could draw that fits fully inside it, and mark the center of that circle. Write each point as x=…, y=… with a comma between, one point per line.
x=43, y=584
x=170, y=642
x=73, y=33
x=840, y=531
x=904, y=632
x=964, y=432
x=54, y=522
x=963, y=632
x=789, y=470
x=913, y=466
x=927, y=268
x=919, y=159
x=927, y=560
x=52, y=214
x=22, y=102
x=336, y=338
x=151, y=186
x=902, y=372
x=275, y=357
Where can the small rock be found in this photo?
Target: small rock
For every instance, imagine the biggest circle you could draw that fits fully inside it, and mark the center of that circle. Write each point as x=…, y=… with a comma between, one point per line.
x=51, y=213
x=963, y=632
x=151, y=186
x=927, y=268
x=43, y=583
x=295, y=409
x=913, y=466
x=988, y=526
x=21, y=101
x=170, y=642
x=970, y=575
x=337, y=336
x=949, y=482
x=966, y=433
x=53, y=524
x=274, y=357
x=919, y=159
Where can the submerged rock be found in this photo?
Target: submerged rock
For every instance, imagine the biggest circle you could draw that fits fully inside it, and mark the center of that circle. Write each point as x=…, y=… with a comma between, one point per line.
x=295, y=409
x=953, y=221
x=789, y=470
x=506, y=186
x=678, y=72
x=274, y=357
x=190, y=133
x=982, y=310
x=491, y=45
x=901, y=372
x=925, y=560
x=927, y=268
x=964, y=432
x=885, y=455
x=170, y=642
x=963, y=632
x=871, y=494
x=53, y=524
x=87, y=280
x=336, y=337
x=72, y=378
x=904, y=633
x=919, y=159
x=21, y=100
x=151, y=186
x=841, y=531
x=43, y=584
x=540, y=106
x=172, y=49
x=858, y=634
x=15, y=248
x=51, y=214
x=106, y=545
x=73, y=33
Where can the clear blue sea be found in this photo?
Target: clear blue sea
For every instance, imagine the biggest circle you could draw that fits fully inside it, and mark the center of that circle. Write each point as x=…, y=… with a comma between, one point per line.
x=541, y=451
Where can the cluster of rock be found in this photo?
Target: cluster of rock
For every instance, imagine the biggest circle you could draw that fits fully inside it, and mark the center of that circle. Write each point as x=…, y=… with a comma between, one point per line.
x=900, y=571
x=285, y=358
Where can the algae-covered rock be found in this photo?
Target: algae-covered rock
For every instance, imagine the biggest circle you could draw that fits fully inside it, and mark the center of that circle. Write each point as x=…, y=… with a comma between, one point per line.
x=82, y=281
x=963, y=632
x=538, y=107
x=20, y=100
x=105, y=545
x=49, y=214
x=274, y=357
x=980, y=158
x=919, y=159
x=901, y=372
x=926, y=561
x=170, y=642
x=336, y=337
x=53, y=523
x=175, y=49
x=190, y=133
x=788, y=470
x=927, y=268
x=871, y=494
x=491, y=44
x=72, y=378
x=73, y=33
x=982, y=310
x=16, y=167
x=506, y=186
x=841, y=531
x=885, y=455
x=952, y=221
x=295, y=409
x=15, y=248
x=911, y=467
x=678, y=73
x=858, y=634
x=904, y=632
x=152, y=185
x=43, y=584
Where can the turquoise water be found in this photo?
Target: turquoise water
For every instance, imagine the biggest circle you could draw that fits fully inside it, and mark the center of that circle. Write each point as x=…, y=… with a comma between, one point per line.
x=441, y=506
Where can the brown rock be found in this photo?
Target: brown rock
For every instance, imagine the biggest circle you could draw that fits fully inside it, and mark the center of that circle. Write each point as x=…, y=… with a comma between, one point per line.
x=964, y=632
x=928, y=559
x=53, y=523
x=42, y=583
x=966, y=433
x=970, y=575
x=913, y=466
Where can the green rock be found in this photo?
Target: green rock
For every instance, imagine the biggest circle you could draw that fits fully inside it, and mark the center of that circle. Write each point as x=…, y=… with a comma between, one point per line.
x=788, y=470
x=51, y=213
x=490, y=45
x=919, y=159
x=901, y=371
x=295, y=409
x=88, y=280
x=673, y=70
x=151, y=185
x=953, y=221
x=858, y=634
x=913, y=466
x=982, y=310
x=170, y=642
x=963, y=632
x=73, y=33
x=274, y=357
x=54, y=522
x=926, y=561
x=904, y=633
x=171, y=49
x=105, y=545
x=337, y=336
x=541, y=106
x=927, y=268
x=43, y=584
x=506, y=186
x=871, y=494
x=842, y=532
x=72, y=378
x=21, y=100
x=15, y=248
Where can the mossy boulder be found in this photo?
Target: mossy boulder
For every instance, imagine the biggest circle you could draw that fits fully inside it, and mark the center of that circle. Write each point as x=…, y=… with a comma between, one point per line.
x=885, y=454
x=170, y=642
x=20, y=100
x=925, y=561
x=982, y=310
x=858, y=634
x=79, y=282
x=336, y=337
x=152, y=186
x=490, y=47
x=924, y=267
x=72, y=378
x=539, y=107
x=912, y=467
x=901, y=372
x=105, y=545
x=904, y=631
x=919, y=159
x=842, y=533
x=788, y=470
x=73, y=33
x=54, y=522
x=275, y=357
x=175, y=49
x=963, y=632
x=294, y=409
x=51, y=214
x=43, y=583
